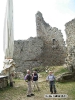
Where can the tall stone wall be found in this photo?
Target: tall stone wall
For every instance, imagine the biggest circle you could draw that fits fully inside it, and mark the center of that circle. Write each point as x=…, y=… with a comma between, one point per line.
x=70, y=32
x=54, y=45
x=48, y=33
x=47, y=49
x=27, y=53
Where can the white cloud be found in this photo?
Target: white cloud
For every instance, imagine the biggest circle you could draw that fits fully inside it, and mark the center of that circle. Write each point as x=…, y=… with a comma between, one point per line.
x=63, y=1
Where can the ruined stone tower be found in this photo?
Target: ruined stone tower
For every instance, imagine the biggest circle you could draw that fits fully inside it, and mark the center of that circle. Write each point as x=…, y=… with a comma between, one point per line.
x=47, y=49
x=70, y=32
x=48, y=33
x=54, y=51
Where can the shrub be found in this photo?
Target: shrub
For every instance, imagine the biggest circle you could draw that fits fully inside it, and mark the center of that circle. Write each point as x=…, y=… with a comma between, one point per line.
x=39, y=69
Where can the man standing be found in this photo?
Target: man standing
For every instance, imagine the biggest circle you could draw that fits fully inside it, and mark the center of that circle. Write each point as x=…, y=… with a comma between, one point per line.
x=35, y=80
x=51, y=79
x=28, y=79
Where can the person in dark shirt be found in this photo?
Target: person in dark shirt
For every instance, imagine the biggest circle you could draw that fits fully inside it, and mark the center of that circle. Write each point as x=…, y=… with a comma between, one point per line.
x=28, y=79
x=35, y=80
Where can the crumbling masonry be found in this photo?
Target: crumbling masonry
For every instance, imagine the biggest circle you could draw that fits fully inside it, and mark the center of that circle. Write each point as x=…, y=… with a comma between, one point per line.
x=47, y=49
x=70, y=32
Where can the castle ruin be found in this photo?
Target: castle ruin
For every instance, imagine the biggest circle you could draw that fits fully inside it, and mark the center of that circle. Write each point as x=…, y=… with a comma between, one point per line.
x=47, y=49
x=54, y=51
x=70, y=32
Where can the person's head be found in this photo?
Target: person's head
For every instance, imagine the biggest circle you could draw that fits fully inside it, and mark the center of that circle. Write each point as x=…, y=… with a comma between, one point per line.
x=50, y=72
x=34, y=72
x=28, y=71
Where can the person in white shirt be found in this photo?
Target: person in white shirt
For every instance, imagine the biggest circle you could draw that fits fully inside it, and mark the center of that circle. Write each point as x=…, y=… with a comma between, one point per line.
x=51, y=79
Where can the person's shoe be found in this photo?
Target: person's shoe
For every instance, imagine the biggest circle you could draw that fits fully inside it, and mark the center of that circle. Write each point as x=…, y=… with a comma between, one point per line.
x=32, y=94
x=54, y=92
x=28, y=95
x=51, y=92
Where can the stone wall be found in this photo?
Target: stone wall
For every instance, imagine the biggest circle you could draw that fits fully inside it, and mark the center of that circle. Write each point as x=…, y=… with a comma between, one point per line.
x=47, y=49
x=54, y=45
x=70, y=32
x=27, y=53
x=3, y=81
x=48, y=33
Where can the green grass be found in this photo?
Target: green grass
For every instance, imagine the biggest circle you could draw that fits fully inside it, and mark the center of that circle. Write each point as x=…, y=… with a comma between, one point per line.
x=19, y=91
x=61, y=70
x=68, y=88
x=57, y=70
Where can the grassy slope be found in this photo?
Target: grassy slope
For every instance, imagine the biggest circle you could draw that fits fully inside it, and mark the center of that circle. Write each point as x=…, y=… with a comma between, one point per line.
x=19, y=91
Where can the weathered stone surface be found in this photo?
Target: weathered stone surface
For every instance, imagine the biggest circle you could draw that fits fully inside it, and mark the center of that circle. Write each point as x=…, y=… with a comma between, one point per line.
x=48, y=33
x=70, y=32
x=65, y=77
x=3, y=81
x=47, y=49
x=54, y=51
x=19, y=75
x=27, y=53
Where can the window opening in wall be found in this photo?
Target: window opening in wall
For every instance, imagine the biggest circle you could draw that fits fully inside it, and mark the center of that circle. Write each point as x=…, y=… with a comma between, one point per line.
x=53, y=41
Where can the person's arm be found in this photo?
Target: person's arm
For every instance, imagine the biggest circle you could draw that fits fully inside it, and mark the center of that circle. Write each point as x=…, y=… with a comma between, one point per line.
x=47, y=78
x=32, y=77
x=25, y=78
x=37, y=76
x=54, y=78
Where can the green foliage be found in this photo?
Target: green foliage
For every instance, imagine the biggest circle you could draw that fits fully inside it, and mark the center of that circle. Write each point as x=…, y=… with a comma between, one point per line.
x=61, y=70
x=39, y=69
x=44, y=74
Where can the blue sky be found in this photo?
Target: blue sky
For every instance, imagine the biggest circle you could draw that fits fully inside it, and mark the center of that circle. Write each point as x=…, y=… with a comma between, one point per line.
x=55, y=12
x=66, y=6
x=72, y=5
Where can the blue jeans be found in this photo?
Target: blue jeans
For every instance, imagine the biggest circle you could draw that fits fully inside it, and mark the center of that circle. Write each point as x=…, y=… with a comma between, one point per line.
x=52, y=87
